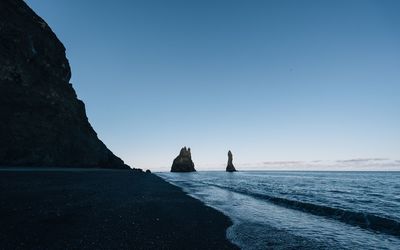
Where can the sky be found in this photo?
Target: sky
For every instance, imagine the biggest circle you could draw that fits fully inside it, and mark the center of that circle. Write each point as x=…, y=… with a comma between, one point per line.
x=282, y=84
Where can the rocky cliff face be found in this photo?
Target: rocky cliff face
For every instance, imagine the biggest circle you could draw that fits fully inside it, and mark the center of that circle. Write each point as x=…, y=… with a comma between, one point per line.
x=183, y=162
x=230, y=167
x=42, y=123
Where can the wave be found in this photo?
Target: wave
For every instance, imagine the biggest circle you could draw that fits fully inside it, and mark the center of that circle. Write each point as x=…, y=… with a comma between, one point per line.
x=362, y=220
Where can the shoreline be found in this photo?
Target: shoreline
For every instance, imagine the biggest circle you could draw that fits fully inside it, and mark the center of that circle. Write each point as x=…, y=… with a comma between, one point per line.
x=103, y=209
x=290, y=210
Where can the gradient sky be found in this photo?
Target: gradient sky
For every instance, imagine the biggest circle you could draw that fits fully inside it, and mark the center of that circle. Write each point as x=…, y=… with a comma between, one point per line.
x=288, y=81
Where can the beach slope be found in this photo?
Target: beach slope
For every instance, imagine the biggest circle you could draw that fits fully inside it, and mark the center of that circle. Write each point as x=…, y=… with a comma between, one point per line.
x=103, y=209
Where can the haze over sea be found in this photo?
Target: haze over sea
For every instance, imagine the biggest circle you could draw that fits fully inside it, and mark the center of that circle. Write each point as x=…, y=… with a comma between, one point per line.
x=313, y=210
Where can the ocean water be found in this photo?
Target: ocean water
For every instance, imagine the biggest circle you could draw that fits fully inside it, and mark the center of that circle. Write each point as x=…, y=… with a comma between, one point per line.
x=302, y=210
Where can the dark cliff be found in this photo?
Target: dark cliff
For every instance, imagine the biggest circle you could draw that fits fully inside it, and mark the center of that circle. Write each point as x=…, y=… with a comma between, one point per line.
x=183, y=162
x=42, y=122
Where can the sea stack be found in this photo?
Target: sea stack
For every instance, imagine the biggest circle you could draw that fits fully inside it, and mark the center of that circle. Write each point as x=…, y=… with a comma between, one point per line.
x=42, y=122
x=183, y=162
x=230, y=167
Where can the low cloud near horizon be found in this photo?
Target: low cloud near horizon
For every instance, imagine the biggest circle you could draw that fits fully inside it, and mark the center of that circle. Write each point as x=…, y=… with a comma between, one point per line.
x=356, y=164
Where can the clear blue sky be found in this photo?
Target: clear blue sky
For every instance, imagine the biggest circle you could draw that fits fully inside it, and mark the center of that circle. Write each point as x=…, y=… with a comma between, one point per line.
x=269, y=80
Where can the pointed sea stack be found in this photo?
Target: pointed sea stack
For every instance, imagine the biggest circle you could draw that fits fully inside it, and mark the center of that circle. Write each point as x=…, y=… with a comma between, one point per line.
x=42, y=122
x=230, y=167
x=183, y=162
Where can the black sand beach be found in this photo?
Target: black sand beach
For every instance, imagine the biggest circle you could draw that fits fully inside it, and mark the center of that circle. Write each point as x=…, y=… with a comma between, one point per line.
x=103, y=209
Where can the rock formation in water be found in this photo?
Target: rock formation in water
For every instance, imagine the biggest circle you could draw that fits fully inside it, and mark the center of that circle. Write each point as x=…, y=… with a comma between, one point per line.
x=183, y=162
x=230, y=167
x=42, y=122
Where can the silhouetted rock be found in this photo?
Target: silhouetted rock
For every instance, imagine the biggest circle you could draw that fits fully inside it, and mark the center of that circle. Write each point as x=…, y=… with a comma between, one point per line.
x=42, y=122
x=148, y=171
x=230, y=167
x=183, y=162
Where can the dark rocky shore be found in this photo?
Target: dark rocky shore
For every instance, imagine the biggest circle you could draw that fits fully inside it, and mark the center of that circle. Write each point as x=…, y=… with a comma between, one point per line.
x=103, y=209
x=44, y=124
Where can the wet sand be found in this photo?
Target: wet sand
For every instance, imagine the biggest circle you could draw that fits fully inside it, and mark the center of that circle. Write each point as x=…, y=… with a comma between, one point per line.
x=103, y=209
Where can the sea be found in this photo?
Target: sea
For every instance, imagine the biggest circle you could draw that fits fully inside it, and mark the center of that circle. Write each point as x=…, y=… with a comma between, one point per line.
x=302, y=210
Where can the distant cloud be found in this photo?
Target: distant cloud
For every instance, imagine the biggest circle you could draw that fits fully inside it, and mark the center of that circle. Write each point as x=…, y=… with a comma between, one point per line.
x=282, y=162
x=362, y=160
x=361, y=164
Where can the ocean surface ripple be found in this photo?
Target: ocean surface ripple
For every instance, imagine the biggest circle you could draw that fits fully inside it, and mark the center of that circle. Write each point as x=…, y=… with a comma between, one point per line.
x=313, y=210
